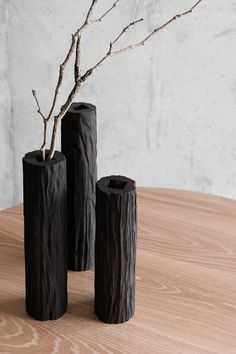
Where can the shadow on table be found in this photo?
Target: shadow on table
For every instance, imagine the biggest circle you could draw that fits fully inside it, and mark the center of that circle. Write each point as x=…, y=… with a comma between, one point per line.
x=83, y=309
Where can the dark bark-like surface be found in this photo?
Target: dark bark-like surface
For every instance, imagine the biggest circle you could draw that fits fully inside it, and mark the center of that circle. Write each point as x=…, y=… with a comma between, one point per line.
x=115, y=250
x=45, y=216
x=79, y=145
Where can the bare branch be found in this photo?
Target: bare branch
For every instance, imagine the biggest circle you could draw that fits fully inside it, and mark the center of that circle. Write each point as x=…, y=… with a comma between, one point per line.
x=126, y=29
x=106, y=13
x=194, y=6
x=37, y=103
x=80, y=79
x=74, y=42
x=61, y=75
x=43, y=147
x=156, y=30
x=53, y=139
x=69, y=54
x=96, y=66
x=109, y=53
x=77, y=60
x=45, y=122
x=87, y=22
x=59, y=117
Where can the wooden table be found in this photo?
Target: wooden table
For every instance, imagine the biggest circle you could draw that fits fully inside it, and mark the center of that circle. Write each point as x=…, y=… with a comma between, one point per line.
x=186, y=285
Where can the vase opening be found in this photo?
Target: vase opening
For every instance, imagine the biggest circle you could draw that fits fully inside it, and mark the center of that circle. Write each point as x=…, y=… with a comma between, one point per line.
x=80, y=107
x=114, y=184
x=39, y=158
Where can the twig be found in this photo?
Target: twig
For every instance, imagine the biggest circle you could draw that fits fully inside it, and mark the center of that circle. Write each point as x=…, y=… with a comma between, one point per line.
x=43, y=147
x=76, y=39
x=106, y=13
x=37, y=103
x=57, y=89
x=61, y=74
x=75, y=43
x=86, y=22
x=156, y=30
x=45, y=123
x=59, y=117
x=77, y=60
x=109, y=53
x=88, y=73
x=126, y=29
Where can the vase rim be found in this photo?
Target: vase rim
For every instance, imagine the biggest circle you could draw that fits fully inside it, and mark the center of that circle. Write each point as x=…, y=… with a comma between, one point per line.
x=34, y=158
x=116, y=184
x=79, y=107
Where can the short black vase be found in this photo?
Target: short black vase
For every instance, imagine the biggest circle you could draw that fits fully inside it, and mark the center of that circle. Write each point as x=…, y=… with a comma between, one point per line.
x=79, y=145
x=45, y=238
x=115, y=249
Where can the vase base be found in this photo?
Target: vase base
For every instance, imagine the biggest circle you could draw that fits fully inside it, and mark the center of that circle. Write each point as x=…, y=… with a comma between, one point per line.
x=53, y=317
x=113, y=320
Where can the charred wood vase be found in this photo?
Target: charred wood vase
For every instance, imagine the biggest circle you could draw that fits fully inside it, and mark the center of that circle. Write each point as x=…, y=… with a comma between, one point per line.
x=115, y=250
x=79, y=145
x=45, y=238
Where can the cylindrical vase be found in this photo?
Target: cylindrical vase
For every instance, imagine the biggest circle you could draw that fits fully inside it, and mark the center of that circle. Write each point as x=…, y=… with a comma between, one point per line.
x=79, y=145
x=115, y=249
x=45, y=235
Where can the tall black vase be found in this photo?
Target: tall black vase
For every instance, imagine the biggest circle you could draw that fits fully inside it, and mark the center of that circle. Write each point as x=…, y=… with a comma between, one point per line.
x=115, y=250
x=79, y=145
x=45, y=239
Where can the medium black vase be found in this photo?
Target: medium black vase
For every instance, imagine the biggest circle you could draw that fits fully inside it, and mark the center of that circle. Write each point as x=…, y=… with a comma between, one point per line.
x=79, y=145
x=115, y=250
x=45, y=227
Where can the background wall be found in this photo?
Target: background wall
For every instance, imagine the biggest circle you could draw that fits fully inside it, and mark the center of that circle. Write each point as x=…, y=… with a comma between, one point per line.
x=166, y=112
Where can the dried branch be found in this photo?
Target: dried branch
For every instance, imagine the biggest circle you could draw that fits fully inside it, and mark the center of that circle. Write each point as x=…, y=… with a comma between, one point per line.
x=43, y=147
x=59, y=117
x=75, y=43
x=61, y=74
x=80, y=79
x=156, y=30
x=109, y=53
x=77, y=60
x=106, y=13
x=126, y=29
x=86, y=22
x=37, y=103
x=45, y=123
x=57, y=89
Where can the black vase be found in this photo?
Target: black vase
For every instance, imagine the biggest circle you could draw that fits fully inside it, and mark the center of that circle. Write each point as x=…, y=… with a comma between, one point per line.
x=79, y=145
x=115, y=249
x=45, y=228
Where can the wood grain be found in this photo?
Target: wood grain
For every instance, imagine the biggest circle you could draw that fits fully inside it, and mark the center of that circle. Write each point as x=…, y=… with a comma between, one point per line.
x=186, y=285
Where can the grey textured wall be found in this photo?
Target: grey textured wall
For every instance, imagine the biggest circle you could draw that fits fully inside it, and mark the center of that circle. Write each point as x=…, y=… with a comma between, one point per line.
x=166, y=111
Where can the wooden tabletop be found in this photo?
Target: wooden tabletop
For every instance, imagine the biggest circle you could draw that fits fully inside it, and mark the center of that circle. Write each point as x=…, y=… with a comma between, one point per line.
x=186, y=285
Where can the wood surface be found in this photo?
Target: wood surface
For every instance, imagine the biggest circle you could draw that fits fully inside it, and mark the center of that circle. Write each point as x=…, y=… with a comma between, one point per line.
x=186, y=285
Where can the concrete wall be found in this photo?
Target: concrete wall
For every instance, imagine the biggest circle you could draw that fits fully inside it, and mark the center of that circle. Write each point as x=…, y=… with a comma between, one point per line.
x=166, y=111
